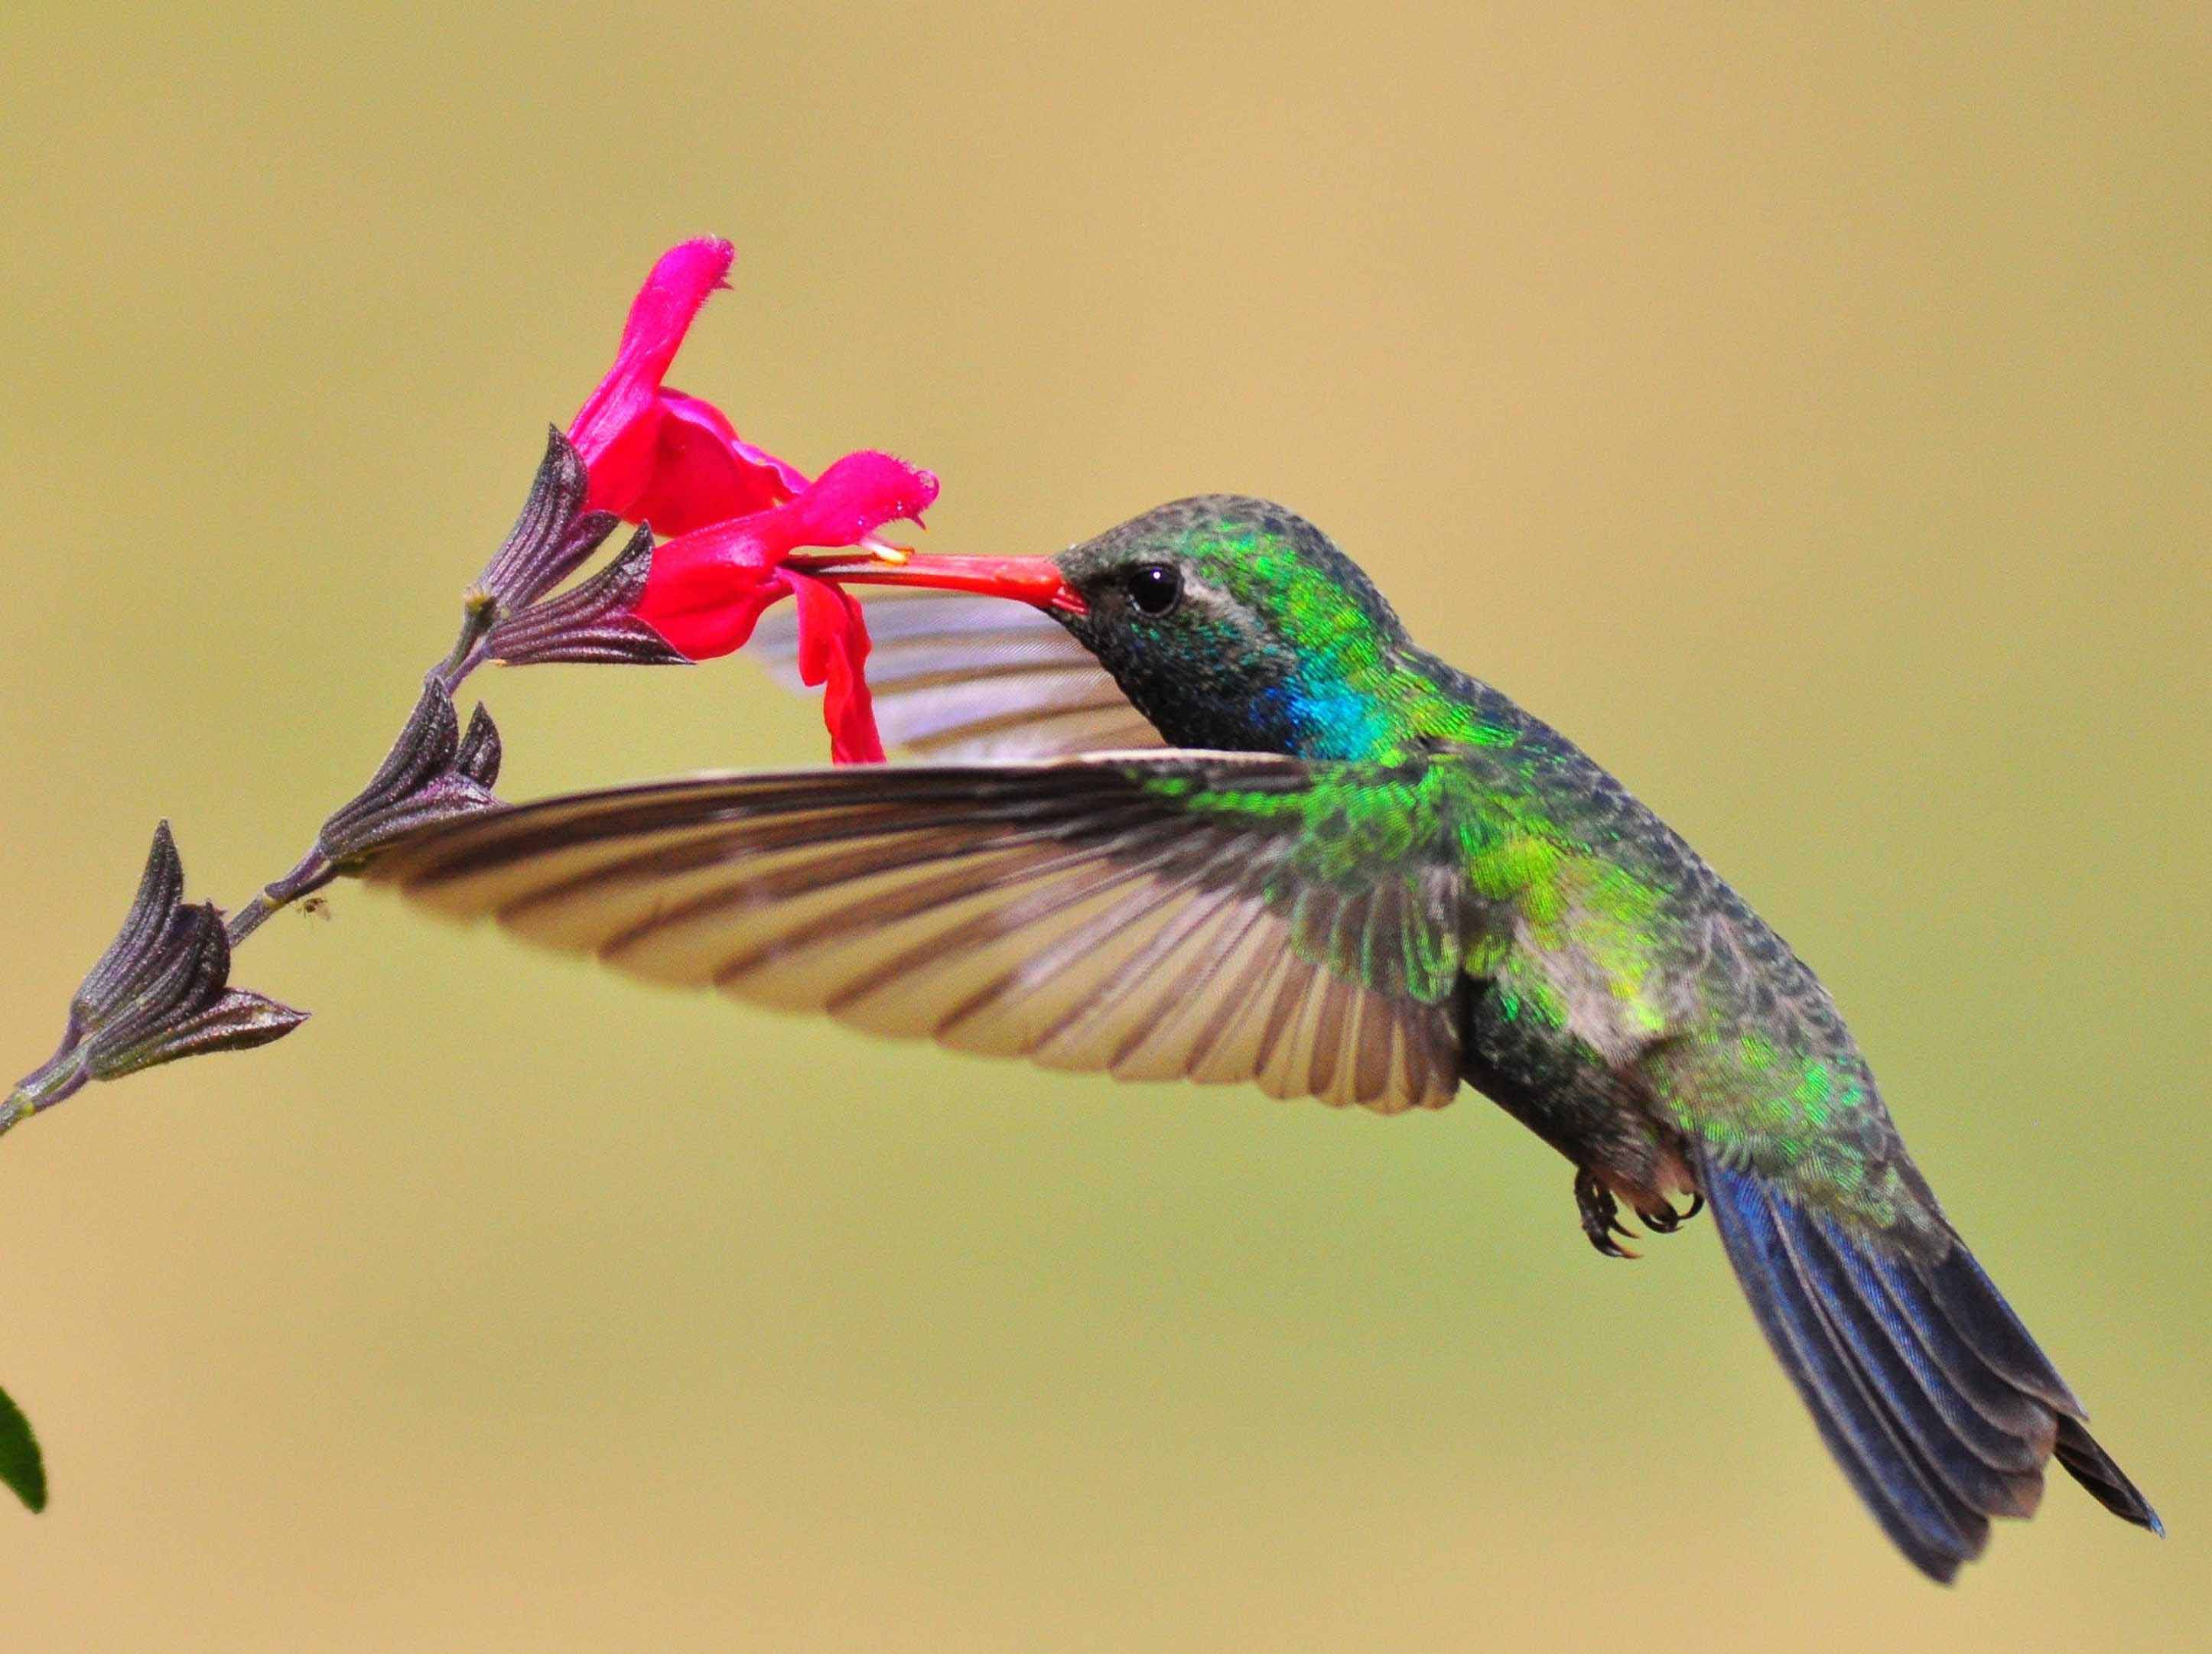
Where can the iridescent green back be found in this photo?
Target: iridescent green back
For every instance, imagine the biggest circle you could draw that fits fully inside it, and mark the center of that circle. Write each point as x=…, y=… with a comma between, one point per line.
x=1599, y=925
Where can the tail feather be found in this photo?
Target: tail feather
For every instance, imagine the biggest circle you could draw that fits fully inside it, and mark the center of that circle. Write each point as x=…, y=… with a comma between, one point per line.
x=2088, y=1464
x=2003, y=1430
x=1928, y=1391
x=1929, y=1523
x=1978, y=1310
x=2021, y=1425
x=1934, y=1433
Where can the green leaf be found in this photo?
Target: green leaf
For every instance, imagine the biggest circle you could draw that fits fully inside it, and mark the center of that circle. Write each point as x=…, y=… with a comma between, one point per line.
x=22, y=1466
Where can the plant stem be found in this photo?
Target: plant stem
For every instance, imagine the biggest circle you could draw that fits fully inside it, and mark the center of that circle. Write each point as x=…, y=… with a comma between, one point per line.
x=313, y=870
x=310, y=874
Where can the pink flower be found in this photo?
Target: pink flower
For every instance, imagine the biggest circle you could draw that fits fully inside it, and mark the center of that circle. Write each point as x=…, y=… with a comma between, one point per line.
x=745, y=529
x=656, y=455
x=708, y=588
x=734, y=511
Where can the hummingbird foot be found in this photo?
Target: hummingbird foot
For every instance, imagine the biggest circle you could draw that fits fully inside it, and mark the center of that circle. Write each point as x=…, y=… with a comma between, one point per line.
x=1664, y=1219
x=1601, y=1214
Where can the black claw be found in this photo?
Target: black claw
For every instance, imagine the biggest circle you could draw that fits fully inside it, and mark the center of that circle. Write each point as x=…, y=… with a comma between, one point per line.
x=1600, y=1216
x=1665, y=1220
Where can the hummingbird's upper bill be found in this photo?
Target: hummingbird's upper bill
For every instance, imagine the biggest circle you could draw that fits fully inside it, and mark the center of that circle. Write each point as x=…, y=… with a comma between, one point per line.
x=1037, y=581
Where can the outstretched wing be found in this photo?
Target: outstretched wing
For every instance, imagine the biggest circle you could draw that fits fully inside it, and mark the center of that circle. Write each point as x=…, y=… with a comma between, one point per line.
x=1153, y=915
x=958, y=676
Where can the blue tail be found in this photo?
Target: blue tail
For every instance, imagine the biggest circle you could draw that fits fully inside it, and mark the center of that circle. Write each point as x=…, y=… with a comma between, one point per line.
x=1928, y=1391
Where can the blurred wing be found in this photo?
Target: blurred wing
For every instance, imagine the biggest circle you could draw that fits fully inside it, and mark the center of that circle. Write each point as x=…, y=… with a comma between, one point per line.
x=956, y=676
x=1078, y=911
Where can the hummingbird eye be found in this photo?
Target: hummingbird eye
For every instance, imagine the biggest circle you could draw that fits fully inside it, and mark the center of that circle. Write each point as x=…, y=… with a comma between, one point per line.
x=1155, y=588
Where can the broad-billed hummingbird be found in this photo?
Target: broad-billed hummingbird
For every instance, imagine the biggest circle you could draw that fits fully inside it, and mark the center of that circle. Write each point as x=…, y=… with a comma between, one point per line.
x=1275, y=840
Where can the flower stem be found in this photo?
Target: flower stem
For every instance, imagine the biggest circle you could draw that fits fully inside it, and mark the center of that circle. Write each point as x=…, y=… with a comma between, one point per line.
x=66, y=1071
x=309, y=874
x=162, y=990
x=43, y=1087
x=314, y=869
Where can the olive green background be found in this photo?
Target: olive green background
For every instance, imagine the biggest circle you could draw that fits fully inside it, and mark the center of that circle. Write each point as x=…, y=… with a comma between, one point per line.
x=1806, y=407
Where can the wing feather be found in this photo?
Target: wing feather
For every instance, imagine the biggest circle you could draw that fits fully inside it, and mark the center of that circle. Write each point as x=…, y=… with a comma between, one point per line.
x=1076, y=911
x=959, y=676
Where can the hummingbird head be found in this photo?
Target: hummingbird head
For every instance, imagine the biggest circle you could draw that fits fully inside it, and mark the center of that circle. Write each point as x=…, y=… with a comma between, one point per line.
x=1229, y=622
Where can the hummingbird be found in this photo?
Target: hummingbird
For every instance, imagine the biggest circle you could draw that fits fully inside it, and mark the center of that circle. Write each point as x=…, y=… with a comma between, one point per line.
x=1195, y=805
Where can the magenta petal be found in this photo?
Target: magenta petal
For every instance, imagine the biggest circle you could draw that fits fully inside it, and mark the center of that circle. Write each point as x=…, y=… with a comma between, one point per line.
x=729, y=554
x=854, y=498
x=833, y=652
x=703, y=472
x=712, y=613
x=789, y=478
x=615, y=430
x=697, y=576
